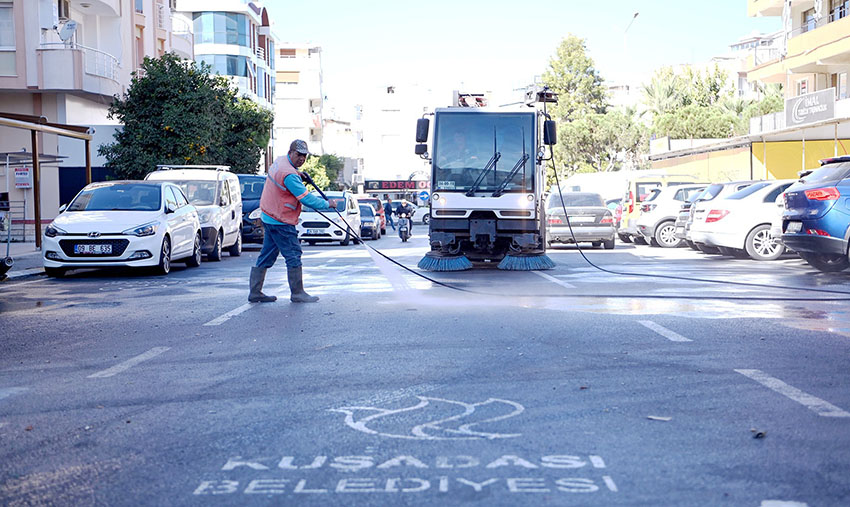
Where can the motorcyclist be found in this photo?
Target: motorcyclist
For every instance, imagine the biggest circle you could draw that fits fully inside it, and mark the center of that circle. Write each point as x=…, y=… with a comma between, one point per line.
x=405, y=207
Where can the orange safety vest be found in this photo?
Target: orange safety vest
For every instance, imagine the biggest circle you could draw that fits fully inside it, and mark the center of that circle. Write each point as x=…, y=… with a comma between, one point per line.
x=277, y=201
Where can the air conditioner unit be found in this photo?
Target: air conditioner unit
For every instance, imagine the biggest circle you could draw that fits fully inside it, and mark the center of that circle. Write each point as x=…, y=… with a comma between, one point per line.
x=64, y=10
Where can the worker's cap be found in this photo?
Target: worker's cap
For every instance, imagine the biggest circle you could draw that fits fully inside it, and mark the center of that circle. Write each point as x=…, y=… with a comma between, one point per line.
x=299, y=146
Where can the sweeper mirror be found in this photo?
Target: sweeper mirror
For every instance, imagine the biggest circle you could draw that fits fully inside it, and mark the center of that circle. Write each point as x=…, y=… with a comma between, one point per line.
x=421, y=149
x=550, y=133
x=422, y=126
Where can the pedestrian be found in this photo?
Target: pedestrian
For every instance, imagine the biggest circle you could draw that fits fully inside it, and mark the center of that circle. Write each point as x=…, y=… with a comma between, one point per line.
x=388, y=210
x=280, y=205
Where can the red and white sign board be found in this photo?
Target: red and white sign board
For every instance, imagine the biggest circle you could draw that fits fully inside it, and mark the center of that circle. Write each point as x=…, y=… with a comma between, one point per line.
x=23, y=177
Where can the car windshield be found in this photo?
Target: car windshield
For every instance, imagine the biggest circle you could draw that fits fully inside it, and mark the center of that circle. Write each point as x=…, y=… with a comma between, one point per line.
x=573, y=200
x=744, y=192
x=371, y=202
x=251, y=187
x=199, y=193
x=366, y=210
x=118, y=197
x=467, y=143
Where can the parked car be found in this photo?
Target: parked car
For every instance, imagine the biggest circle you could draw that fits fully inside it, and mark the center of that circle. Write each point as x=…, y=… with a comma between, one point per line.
x=699, y=208
x=251, y=189
x=214, y=191
x=816, y=221
x=657, y=221
x=638, y=190
x=590, y=220
x=123, y=223
x=329, y=226
x=378, y=206
x=739, y=225
x=683, y=219
x=370, y=222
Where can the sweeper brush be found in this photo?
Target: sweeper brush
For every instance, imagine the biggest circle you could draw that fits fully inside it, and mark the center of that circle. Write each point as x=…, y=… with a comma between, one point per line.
x=436, y=262
x=530, y=262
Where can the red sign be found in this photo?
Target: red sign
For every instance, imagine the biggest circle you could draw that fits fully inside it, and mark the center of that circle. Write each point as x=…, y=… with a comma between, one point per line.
x=397, y=184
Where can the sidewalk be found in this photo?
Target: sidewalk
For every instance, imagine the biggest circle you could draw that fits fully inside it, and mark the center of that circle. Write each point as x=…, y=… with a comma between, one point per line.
x=27, y=259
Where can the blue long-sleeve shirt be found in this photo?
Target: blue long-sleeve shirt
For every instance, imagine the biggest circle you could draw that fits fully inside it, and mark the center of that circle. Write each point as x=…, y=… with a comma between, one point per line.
x=294, y=184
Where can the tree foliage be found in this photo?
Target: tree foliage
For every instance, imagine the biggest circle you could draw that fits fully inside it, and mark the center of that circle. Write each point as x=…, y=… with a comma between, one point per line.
x=317, y=171
x=176, y=112
x=573, y=76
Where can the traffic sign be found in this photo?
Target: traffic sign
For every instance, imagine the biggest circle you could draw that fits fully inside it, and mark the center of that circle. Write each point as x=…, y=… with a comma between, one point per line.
x=423, y=195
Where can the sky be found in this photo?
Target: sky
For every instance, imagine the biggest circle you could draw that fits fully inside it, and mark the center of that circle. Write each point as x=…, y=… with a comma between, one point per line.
x=497, y=45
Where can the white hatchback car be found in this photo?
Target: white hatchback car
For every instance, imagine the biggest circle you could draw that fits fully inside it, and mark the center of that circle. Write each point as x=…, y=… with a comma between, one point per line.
x=657, y=221
x=123, y=223
x=740, y=224
x=329, y=225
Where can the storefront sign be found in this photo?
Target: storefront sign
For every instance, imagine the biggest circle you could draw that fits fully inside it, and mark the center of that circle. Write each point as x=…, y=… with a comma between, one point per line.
x=23, y=177
x=397, y=185
x=810, y=108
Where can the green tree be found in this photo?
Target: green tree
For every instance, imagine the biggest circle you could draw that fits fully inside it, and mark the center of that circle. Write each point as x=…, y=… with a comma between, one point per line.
x=176, y=112
x=696, y=122
x=333, y=166
x=317, y=172
x=573, y=76
x=664, y=93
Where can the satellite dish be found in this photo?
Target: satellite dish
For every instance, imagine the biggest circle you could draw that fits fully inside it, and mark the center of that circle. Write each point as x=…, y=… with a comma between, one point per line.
x=67, y=30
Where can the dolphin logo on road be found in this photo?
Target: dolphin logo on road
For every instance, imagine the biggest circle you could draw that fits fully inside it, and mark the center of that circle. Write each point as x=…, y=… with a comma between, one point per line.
x=435, y=419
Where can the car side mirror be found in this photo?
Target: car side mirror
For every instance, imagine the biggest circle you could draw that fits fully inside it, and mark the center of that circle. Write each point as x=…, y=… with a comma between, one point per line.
x=63, y=208
x=550, y=133
x=170, y=208
x=421, y=149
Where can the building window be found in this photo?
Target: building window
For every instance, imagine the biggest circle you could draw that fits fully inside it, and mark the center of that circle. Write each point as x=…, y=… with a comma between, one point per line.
x=7, y=40
x=839, y=82
x=226, y=65
x=802, y=86
x=808, y=21
x=287, y=53
x=221, y=28
x=140, y=45
x=140, y=6
x=839, y=9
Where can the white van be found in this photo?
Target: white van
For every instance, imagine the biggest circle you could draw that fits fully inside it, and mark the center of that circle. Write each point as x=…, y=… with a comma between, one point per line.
x=215, y=192
x=314, y=228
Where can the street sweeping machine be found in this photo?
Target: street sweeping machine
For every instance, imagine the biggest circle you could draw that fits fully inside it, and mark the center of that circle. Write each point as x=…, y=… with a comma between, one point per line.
x=487, y=183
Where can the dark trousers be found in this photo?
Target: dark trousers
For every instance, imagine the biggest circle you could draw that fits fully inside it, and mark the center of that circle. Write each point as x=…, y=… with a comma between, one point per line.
x=280, y=239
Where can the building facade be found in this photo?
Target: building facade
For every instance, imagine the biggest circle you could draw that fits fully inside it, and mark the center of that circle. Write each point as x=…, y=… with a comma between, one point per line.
x=299, y=103
x=65, y=60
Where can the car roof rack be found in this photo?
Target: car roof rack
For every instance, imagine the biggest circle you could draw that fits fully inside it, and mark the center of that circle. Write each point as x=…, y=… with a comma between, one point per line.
x=167, y=167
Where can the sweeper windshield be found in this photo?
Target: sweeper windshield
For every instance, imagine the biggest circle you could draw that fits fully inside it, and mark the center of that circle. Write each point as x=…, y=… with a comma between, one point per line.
x=501, y=146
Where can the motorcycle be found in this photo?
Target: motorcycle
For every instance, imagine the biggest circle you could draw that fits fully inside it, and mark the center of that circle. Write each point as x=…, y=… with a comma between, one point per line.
x=404, y=226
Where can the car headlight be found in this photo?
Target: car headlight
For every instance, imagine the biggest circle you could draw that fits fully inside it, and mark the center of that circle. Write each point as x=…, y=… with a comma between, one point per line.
x=52, y=231
x=255, y=214
x=206, y=215
x=143, y=230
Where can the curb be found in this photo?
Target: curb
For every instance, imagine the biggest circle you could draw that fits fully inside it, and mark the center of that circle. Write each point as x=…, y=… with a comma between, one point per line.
x=24, y=273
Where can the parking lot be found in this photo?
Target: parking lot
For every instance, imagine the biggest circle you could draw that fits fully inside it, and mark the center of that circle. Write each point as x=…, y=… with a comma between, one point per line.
x=573, y=385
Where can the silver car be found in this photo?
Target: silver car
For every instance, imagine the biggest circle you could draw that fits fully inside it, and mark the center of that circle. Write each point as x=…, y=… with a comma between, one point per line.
x=587, y=220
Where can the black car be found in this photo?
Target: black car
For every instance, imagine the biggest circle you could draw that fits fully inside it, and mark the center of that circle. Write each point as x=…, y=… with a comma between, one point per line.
x=252, y=188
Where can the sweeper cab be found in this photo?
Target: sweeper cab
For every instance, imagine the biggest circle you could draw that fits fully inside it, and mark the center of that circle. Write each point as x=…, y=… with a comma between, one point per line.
x=487, y=183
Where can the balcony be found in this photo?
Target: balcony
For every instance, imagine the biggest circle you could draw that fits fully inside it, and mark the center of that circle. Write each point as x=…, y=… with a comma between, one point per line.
x=182, y=39
x=75, y=67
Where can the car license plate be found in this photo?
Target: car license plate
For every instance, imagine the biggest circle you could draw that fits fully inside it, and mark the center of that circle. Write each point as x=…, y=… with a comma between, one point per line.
x=582, y=219
x=794, y=227
x=93, y=249
x=313, y=232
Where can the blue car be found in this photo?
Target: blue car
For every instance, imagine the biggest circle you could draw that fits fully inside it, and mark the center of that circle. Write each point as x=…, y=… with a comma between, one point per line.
x=252, y=189
x=816, y=221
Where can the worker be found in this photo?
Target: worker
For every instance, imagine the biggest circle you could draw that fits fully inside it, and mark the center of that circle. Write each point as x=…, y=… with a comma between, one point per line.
x=280, y=205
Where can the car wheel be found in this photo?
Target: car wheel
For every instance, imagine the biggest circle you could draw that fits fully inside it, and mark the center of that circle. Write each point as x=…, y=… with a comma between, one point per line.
x=596, y=244
x=164, y=266
x=624, y=238
x=608, y=244
x=828, y=263
x=346, y=240
x=665, y=235
x=383, y=231
x=215, y=255
x=426, y=219
x=195, y=260
x=639, y=240
x=235, y=250
x=55, y=272
x=761, y=247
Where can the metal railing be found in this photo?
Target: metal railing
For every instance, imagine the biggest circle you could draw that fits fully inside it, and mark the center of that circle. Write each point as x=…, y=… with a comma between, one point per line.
x=12, y=221
x=163, y=14
x=180, y=26
x=97, y=62
x=812, y=24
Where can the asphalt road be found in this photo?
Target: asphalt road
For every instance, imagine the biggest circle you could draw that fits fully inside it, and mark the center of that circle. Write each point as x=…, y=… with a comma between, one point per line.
x=565, y=387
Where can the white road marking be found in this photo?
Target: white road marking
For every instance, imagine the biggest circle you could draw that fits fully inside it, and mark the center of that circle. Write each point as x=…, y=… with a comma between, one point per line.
x=554, y=280
x=813, y=403
x=610, y=483
x=126, y=365
x=11, y=391
x=663, y=331
x=233, y=313
x=597, y=462
x=782, y=503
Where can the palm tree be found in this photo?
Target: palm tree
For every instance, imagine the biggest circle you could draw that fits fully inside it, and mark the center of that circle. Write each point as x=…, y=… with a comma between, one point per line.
x=664, y=93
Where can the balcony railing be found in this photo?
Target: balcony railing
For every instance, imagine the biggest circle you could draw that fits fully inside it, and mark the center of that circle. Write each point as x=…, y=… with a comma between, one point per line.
x=812, y=24
x=180, y=26
x=97, y=63
x=163, y=14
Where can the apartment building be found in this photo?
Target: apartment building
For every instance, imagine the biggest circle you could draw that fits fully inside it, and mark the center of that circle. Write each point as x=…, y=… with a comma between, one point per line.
x=65, y=60
x=299, y=103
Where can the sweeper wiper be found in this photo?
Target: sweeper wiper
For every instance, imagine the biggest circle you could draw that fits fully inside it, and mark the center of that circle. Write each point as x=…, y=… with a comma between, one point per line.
x=477, y=219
